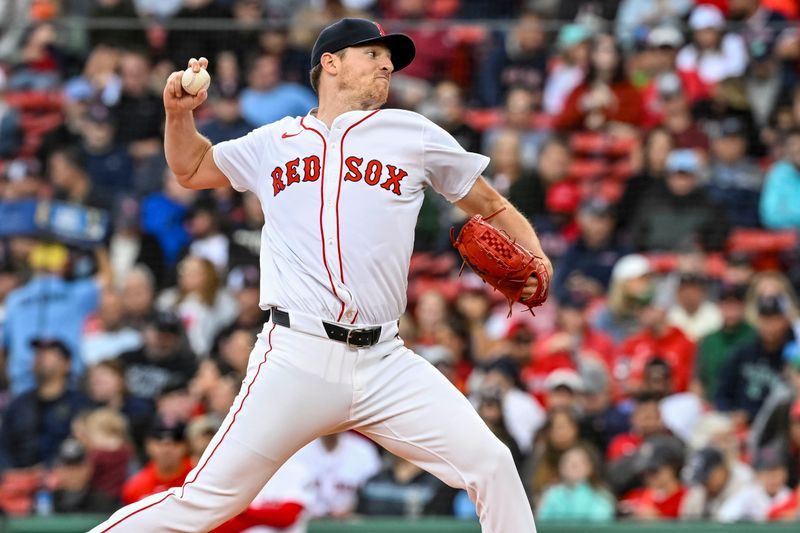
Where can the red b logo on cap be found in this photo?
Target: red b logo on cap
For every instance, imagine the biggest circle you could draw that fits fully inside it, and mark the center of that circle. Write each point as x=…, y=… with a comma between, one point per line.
x=380, y=29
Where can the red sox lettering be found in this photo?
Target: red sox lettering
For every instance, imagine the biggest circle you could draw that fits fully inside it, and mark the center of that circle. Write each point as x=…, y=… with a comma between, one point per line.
x=372, y=173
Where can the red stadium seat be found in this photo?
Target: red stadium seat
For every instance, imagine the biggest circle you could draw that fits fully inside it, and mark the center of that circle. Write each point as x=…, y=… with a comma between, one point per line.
x=35, y=101
x=761, y=241
x=588, y=169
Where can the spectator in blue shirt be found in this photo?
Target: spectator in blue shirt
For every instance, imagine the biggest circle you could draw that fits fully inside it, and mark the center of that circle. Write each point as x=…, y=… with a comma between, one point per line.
x=38, y=421
x=780, y=198
x=48, y=306
x=586, y=266
x=267, y=99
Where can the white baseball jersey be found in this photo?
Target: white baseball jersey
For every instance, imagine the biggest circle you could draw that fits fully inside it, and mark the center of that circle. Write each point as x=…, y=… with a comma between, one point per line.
x=311, y=182
x=338, y=474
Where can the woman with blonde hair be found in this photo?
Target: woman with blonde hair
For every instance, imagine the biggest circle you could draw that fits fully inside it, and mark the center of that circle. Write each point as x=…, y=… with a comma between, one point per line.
x=631, y=288
x=204, y=306
x=773, y=283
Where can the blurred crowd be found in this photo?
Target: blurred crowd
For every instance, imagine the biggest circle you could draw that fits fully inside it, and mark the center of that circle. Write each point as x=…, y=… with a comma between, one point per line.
x=654, y=145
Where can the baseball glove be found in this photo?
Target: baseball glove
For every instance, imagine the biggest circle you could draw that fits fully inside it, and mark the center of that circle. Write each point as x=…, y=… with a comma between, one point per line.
x=500, y=261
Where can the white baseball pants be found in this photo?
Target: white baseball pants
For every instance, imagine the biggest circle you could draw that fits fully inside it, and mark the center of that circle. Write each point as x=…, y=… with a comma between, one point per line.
x=299, y=387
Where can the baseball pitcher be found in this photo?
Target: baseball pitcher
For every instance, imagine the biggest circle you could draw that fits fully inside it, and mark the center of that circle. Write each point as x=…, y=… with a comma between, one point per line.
x=341, y=188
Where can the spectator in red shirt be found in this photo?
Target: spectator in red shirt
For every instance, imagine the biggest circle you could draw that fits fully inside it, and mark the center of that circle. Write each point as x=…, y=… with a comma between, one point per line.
x=657, y=338
x=645, y=422
x=169, y=462
x=663, y=494
x=663, y=44
x=606, y=97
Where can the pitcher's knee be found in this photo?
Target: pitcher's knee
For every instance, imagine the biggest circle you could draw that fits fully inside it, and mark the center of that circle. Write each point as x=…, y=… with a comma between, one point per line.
x=496, y=461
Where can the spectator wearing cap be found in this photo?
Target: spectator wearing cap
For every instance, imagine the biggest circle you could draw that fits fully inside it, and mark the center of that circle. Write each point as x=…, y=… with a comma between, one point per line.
x=267, y=99
x=10, y=130
x=226, y=121
x=563, y=388
x=569, y=70
x=714, y=54
x=753, y=502
x=663, y=43
x=168, y=466
x=679, y=212
x=756, y=367
x=603, y=419
x=164, y=358
x=632, y=287
x=202, y=303
x=586, y=266
x=71, y=483
x=734, y=179
x=780, y=197
x=518, y=58
x=764, y=82
x=37, y=422
x=580, y=494
x=716, y=348
x=62, y=307
x=657, y=338
x=605, y=99
x=659, y=463
x=693, y=312
x=108, y=163
x=676, y=113
x=712, y=485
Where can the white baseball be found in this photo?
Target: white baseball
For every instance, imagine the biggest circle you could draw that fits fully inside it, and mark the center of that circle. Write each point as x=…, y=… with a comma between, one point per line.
x=193, y=82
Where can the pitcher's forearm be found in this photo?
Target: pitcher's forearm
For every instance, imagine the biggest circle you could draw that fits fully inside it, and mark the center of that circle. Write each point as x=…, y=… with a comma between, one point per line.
x=184, y=147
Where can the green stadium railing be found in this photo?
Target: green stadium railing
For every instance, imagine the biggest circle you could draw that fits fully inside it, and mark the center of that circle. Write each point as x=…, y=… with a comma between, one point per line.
x=82, y=523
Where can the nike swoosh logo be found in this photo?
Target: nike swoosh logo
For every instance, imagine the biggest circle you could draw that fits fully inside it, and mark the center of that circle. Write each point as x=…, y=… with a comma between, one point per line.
x=287, y=135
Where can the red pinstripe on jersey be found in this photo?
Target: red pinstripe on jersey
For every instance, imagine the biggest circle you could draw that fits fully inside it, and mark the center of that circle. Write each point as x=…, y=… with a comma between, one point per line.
x=208, y=459
x=321, y=203
x=338, y=194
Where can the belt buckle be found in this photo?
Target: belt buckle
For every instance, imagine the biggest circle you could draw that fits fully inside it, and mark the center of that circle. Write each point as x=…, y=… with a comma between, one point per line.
x=347, y=340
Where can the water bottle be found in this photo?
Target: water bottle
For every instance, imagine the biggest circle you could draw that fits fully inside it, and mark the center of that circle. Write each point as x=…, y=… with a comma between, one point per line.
x=44, y=503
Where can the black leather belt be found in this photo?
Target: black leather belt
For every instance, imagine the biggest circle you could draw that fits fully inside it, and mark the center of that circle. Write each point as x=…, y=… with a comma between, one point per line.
x=356, y=337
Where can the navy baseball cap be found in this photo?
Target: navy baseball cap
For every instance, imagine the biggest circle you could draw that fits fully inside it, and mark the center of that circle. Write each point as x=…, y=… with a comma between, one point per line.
x=354, y=32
